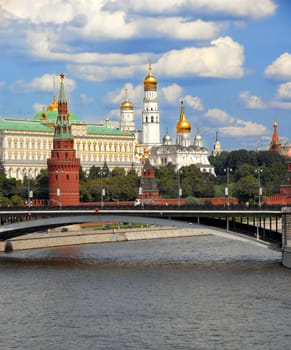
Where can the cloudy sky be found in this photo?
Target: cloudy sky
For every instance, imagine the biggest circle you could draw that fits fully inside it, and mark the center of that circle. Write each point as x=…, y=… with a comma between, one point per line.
x=229, y=61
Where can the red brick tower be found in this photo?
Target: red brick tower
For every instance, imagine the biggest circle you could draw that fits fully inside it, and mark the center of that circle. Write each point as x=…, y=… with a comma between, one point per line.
x=149, y=193
x=63, y=166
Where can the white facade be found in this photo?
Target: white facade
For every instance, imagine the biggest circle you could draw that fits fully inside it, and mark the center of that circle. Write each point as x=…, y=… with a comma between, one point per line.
x=183, y=153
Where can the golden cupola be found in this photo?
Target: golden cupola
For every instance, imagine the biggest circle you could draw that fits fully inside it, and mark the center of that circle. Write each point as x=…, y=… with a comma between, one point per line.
x=183, y=126
x=126, y=104
x=150, y=81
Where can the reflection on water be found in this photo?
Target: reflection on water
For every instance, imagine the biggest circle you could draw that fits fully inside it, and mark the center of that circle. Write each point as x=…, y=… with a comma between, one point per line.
x=185, y=293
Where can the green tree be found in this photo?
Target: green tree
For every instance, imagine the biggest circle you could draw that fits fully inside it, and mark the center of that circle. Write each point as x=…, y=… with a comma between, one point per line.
x=246, y=189
x=118, y=172
x=167, y=181
x=244, y=170
x=41, y=189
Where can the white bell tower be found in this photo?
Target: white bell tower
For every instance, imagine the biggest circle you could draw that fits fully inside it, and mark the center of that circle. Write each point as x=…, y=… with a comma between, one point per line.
x=150, y=113
x=127, y=115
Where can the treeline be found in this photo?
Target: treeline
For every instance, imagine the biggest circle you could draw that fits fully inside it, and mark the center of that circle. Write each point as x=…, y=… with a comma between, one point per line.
x=246, y=170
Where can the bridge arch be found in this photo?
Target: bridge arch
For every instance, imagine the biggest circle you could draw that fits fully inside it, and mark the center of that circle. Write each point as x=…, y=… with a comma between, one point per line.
x=25, y=227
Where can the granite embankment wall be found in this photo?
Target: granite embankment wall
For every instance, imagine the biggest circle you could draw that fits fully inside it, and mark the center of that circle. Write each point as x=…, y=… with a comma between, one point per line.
x=78, y=236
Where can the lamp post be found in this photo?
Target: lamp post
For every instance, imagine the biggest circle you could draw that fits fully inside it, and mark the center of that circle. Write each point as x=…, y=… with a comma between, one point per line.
x=59, y=191
x=259, y=172
x=226, y=190
x=140, y=192
x=102, y=173
x=29, y=192
x=180, y=192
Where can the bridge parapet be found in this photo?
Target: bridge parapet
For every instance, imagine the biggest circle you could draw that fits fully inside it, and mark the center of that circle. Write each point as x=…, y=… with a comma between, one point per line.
x=286, y=237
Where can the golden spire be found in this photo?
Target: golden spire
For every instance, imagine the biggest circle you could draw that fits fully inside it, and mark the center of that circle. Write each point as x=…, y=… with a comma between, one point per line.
x=183, y=126
x=150, y=81
x=126, y=104
x=275, y=137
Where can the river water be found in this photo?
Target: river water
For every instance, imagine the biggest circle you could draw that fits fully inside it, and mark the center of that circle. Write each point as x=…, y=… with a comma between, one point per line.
x=203, y=292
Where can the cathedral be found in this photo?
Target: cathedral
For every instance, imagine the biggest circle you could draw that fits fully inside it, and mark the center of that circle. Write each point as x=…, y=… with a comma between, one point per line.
x=182, y=152
x=25, y=145
x=276, y=145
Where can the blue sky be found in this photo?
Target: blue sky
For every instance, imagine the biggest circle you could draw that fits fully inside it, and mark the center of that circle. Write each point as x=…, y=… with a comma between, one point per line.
x=229, y=61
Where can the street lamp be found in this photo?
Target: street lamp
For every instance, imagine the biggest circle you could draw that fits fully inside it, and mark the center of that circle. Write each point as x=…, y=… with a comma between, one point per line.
x=29, y=192
x=179, y=187
x=59, y=192
x=102, y=173
x=140, y=192
x=226, y=190
x=259, y=172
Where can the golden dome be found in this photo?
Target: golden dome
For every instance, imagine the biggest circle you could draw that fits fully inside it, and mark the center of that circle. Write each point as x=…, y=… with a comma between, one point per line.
x=183, y=126
x=150, y=81
x=126, y=104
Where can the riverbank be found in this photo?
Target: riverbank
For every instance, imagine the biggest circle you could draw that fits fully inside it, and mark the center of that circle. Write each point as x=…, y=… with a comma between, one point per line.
x=75, y=235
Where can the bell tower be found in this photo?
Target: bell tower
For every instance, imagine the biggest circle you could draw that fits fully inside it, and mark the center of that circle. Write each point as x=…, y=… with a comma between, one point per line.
x=150, y=113
x=63, y=166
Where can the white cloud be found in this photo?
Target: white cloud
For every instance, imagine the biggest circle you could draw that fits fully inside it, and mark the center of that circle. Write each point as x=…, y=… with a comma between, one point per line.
x=91, y=19
x=280, y=68
x=46, y=82
x=134, y=95
x=244, y=128
x=184, y=29
x=233, y=126
x=194, y=102
x=219, y=116
x=284, y=91
x=171, y=94
x=222, y=59
x=242, y=8
x=2, y=83
x=55, y=11
x=252, y=101
x=255, y=102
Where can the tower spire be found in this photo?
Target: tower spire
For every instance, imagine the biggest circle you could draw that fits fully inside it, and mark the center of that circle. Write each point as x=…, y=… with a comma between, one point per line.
x=63, y=166
x=275, y=144
x=183, y=126
x=63, y=126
